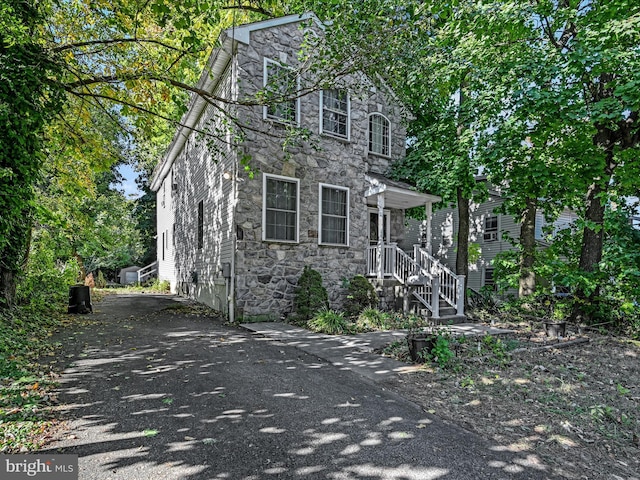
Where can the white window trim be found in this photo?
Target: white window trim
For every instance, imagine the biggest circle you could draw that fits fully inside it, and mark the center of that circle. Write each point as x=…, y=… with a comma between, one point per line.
x=320, y=213
x=265, y=177
x=484, y=227
x=369, y=134
x=265, y=81
x=332, y=134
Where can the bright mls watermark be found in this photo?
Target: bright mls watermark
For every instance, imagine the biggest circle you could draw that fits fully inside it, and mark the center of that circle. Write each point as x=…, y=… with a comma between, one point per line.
x=37, y=466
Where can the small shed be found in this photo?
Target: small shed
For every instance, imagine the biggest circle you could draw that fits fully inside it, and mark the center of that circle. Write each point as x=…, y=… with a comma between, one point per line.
x=128, y=275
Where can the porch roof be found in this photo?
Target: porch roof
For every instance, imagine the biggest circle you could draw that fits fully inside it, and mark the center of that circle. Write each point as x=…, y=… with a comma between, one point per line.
x=397, y=194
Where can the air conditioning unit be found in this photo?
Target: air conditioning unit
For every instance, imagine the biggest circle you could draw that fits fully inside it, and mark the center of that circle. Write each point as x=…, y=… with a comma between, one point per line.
x=174, y=187
x=491, y=236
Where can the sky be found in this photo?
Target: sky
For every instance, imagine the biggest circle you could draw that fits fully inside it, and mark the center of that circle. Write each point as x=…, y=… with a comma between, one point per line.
x=128, y=184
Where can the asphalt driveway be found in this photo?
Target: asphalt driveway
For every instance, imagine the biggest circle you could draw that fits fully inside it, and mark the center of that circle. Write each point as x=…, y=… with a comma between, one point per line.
x=155, y=393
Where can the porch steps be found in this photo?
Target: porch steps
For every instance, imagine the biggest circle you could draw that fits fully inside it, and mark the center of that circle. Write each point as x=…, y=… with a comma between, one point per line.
x=448, y=314
x=417, y=279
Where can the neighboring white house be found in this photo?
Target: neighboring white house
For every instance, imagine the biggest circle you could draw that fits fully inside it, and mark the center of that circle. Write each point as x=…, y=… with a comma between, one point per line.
x=237, y=224
x=486, y=231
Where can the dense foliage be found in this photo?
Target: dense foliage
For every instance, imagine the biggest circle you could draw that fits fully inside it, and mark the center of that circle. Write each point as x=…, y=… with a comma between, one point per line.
x=360, y=295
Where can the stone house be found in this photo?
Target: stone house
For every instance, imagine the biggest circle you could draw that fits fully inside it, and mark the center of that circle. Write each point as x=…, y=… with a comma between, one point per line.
x=238, y=216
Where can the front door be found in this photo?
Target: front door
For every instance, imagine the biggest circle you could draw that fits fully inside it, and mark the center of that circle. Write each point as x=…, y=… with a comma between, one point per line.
x=373, y=226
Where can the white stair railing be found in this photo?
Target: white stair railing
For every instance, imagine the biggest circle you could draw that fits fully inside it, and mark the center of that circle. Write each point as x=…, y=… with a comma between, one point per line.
x=397, y=264
x=147, y=272
x=451, y=285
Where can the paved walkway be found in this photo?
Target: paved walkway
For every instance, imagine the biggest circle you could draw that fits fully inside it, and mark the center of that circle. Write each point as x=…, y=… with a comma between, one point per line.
x=355, y=352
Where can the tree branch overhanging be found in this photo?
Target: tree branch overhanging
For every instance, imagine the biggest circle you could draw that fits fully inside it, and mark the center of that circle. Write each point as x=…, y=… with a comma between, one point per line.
x=114, y=41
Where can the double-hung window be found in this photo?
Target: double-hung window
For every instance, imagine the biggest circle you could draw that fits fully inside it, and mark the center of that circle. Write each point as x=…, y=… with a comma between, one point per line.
x=489, y=281
x=335, y=113
x=281, y=90
x=379, y=134
x=281, y=204
x=490, y=229
x=334, y=215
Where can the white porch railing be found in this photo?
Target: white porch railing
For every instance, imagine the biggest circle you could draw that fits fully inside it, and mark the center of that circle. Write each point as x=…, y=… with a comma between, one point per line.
x=147, y=272
x=429, y=280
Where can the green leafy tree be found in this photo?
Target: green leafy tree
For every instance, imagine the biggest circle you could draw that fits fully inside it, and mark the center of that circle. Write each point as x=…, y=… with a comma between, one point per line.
x=28, y=101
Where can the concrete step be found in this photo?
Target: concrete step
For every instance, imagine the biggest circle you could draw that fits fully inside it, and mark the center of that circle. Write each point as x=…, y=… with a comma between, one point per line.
x=451, y=319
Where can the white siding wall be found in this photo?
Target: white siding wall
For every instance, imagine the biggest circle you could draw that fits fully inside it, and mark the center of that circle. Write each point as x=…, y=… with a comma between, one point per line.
x=445, y=232
x=199, y=176
x=165, y=232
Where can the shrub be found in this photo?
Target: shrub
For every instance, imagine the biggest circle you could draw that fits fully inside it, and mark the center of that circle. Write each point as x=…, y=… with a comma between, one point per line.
x=46, y=281
x=360, y=295
x=101, y=282
x=373, y=319
x=330, y=322
x=310, y=295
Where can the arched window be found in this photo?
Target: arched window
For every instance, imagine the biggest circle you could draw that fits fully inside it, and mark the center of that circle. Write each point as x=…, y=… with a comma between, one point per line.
x=379, y=134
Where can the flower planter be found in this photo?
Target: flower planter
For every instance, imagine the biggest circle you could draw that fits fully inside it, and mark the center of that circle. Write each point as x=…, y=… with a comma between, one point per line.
x=418, y=342
x=555, y=329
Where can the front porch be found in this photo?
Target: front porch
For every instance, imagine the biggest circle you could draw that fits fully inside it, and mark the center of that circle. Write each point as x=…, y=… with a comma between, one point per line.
x=420, y=276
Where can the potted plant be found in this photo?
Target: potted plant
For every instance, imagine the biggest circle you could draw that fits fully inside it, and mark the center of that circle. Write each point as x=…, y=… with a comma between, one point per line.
x=555, y=326
x=420, y=341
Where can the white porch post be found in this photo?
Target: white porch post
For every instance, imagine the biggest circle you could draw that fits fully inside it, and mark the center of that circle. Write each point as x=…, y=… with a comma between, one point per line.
x=460, y=295
x=435, y=297
x=429, y=216
x=380, y=235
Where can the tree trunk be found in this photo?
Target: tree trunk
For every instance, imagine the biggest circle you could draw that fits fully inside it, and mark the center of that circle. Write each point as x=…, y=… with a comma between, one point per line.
x=591, y=252
x=593, y=232
x=7, y=287
x=14, y=256
x=462, y=255
x=527, y=284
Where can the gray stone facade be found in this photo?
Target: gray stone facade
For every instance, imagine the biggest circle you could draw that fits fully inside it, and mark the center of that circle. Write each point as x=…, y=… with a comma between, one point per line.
x=267, y=272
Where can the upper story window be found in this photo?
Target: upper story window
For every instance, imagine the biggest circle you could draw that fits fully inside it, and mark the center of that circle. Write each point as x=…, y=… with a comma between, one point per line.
x=281, y=204
x=490, y=229
x=335, y=113
x=281, y=89
x=379, y=134
x=334, y=215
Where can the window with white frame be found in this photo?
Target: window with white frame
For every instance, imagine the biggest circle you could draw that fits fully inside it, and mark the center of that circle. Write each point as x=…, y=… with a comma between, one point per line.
x=334, y=215
x=490, y=229
x=281, y=89
x=335, y=113
x=379, y=134
x=280, y=208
